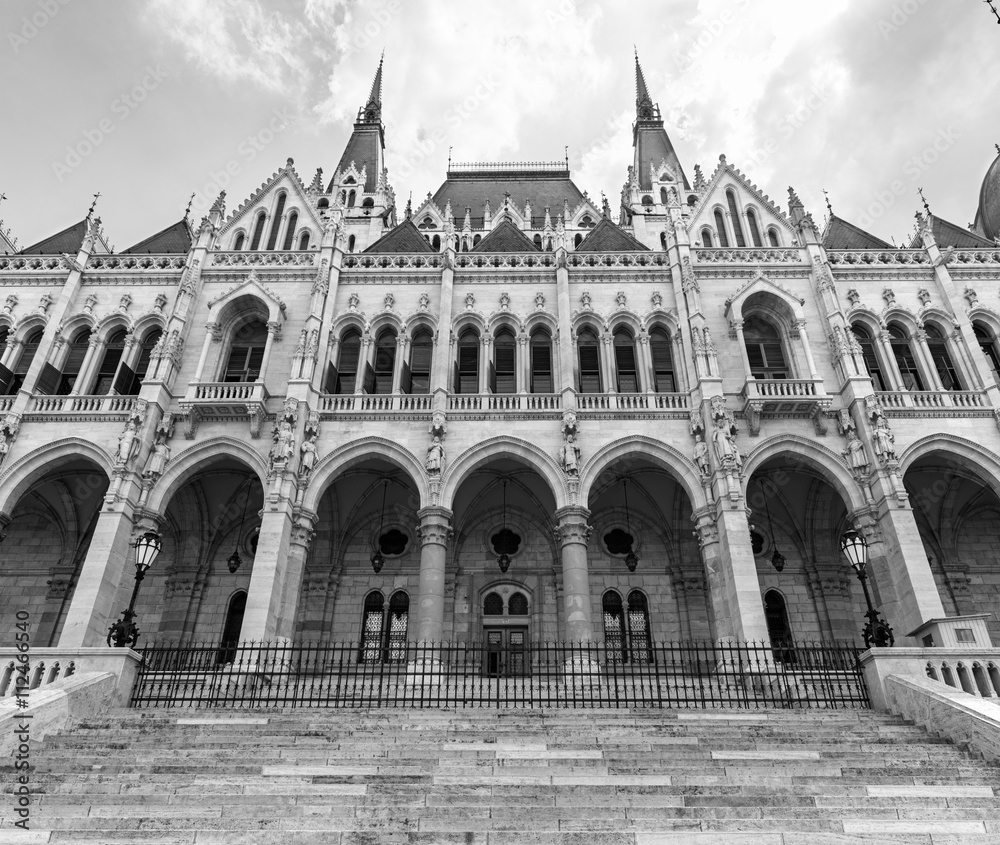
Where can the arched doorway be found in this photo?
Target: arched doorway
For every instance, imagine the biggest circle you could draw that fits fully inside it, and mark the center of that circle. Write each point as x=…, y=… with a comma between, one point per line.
x=231, y=629
x=779, y=631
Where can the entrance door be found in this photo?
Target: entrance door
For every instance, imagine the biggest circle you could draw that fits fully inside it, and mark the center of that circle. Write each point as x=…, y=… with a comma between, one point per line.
x=231, y=631
x=506, y=652
x=778, y=628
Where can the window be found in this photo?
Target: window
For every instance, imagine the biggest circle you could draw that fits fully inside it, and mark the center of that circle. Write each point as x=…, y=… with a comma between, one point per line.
x=371, y=628
x=279, y=210
x=778, y=629
x=663, y=196
x=625, y=362
x=247, y=353
x=74, y=361
x=541, y=362
x=905, y=360
x=293, y=219
x=395, y=627
x=614, y=627
x=578, y=240
x=418, y=374
x=734, y=214
x=436, y=242
x=706, y=237
x=938, y=347
x=493, y=605
x=351, y=241
x=537, y=241
x=385, y=361
x=640, y=642
x=772, y=237
x=870, y=357
x=258, y=231
x=304, y=241
x=588, y=223
x=28, y=352
x=987, y=343
x=754, y=227
x=238, y=243
x=231, y=630
x=347, y=362
x=518, y=605
x=763, y=345
x=588, y=352
x=720, y=227
x=467, y=365
x=113, y=352
x=476, y=240
x=504, y=376
x=351, y=198
x=663, y=240
x=663, y=365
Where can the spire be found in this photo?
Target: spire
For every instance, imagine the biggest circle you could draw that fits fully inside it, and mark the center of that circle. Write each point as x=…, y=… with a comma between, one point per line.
x=642, y=97
x=375, y=97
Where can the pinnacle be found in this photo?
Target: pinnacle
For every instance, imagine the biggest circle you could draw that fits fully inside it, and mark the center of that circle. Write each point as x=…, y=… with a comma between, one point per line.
x=641, y=93
x=375, y=97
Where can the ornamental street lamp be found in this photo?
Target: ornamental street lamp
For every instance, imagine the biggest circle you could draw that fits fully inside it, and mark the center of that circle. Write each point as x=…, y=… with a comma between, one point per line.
x=777, y=559
x=877, y=631
x=124, y=632
x=234, y=561
x=503, y=560
x=631, y=559
x=378, y=559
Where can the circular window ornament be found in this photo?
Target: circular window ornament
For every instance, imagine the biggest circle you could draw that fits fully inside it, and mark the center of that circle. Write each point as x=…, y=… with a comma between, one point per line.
x=392, y=543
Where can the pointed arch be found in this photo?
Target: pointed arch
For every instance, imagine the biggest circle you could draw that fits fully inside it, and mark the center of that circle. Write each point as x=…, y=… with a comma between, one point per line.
x=974, y=458
x=17, y=478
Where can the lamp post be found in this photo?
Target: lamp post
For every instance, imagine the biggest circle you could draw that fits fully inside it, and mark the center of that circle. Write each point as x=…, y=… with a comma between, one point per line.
x=877, y=631
x=124, y=632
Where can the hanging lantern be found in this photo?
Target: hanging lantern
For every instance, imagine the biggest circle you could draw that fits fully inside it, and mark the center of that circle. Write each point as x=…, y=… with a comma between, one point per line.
x=503, y=559
x=777, y=558
x=234, y=561
x=631, y=559
x=378, y=559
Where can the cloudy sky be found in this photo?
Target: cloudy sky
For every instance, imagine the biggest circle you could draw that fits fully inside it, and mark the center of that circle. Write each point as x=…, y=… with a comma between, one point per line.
x=149, y=101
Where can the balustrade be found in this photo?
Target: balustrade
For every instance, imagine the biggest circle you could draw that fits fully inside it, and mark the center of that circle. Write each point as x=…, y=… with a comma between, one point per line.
x=933, y=400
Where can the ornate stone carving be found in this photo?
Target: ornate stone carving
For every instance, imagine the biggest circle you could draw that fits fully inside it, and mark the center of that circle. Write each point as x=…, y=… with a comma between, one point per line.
x=585, y=300
x=425, y=302
x=570, y=455
x=257, y=415
x=435, y=456
x=726, y=449
x=695, y=423
x=8, y=433
x=656, y=300
x=884, y=441
x=854, y=454
x=308, y=448
x=539, y=301
x=505, y=301
x=125, y=302
x=701, y=456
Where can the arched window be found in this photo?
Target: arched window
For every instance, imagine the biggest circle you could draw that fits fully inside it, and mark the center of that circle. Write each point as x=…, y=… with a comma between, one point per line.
x=351, y=241
x=734, y=215
x=230, y=639
x=625, y=362
x=113, y=351
x=351, y=197
x=537, y=241
x=371, y=628
x=541, y=362
x=348, y=358
x=368, y=203
x=279, y=210
x=764, y=350
x=504, y=376
x=20, y=370
x=754, y=227
x=772, y=237
x=588, y=223
x=778, y=629
x=418, y=374
x=720, y=227
x=323, y=203
x=663, y=240
x=493, y=605
x=141, y=364
x=987, y=343
x=74, y=361
x=661, y=352
x=395, y=627
x=905, y=360
x=476, y=240
x=663, y=196
x=706, y=237
x=938, y=347
x=614, y=627
x=518, y=605
x=647, y=202
x=247, y=353
x=467, y=364
x=258, y=231
x=238, y=243
x=436, y=242
x=639, y=639
x=589, y=353
x=293, y=219
x=578, y=239
x=385, y=361
x=304, y=241
x=870, y=356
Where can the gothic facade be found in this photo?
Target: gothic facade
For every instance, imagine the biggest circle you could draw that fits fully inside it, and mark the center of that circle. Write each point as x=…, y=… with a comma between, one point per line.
x=508, y=413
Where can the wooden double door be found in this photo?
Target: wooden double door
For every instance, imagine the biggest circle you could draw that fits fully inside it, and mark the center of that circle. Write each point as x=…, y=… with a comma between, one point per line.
x=506, y=651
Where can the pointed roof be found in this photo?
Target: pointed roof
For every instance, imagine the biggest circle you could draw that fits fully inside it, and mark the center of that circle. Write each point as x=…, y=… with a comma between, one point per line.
x=68, y=240
x=506, y=238
x=840, y=234
x=607, y=237
x=948, y=234
x=650, y=140
x=405, y=237
x=174, y=239
x=367, y=141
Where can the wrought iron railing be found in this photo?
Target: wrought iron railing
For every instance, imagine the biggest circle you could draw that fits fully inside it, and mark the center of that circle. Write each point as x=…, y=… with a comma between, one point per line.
x=689, y=675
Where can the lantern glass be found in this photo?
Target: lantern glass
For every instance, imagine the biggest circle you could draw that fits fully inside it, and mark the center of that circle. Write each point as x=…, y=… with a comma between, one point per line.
x=853, y=545
x=503, y=562
x=378, y=561
x=778, y=560
x=234, y=561
x=147, y=547
x=631, y=561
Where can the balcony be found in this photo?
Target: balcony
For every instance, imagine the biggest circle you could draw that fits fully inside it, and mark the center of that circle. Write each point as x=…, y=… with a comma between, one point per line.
x=225, y=400
x=377, y=403
x=86, y=407
x=626, y=402
x=783, y=398
x=935, y=403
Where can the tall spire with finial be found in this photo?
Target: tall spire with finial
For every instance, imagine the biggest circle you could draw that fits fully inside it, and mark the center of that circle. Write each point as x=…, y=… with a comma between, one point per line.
x=651, y=145
x=643, y=102
x=923, y=199
x=365, y=148
x=375, y=97
x=829, y=207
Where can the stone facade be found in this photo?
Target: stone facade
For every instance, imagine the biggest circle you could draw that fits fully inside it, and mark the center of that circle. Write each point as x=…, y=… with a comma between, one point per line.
x=705, y=382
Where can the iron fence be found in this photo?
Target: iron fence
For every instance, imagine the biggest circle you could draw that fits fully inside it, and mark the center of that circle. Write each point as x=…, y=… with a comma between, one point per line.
x=692, y=675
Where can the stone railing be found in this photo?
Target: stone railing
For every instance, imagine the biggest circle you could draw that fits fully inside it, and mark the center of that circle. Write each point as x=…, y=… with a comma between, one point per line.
x=472, y=260
x=747, y=255
x=933, y=399
x=226, y=391
x=33, y=262
x=617, y=259
x=264, y=259
x=632, y=401
x=423, y=261
x=136, y=262
x=376, y=403
x=972, y=670
x=882, y=258
x=782, y=389
x=500, y=402
x=976, y=256
x=109, y=404
x=6, y=403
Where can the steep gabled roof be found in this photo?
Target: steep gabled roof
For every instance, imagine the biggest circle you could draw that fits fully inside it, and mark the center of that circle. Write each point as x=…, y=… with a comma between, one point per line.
x=948, y=234
x=840, y=234
x=405, y=237
x=506, y=238
x=298, y=192
x=68, y=241
x=174, y=239
x=723, y=169
x=607, y=237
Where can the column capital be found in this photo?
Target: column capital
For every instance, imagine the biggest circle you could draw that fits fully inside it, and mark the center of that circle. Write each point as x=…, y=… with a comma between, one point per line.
x=571, y=525
x=706, y=528
x=304, y=528
x=435, y=525
x=5, y=521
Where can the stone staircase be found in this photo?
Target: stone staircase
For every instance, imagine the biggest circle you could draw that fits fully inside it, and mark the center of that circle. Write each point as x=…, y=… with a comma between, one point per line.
x=508, y=777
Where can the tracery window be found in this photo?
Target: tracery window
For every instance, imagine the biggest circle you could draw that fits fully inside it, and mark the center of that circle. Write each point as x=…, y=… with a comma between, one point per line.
x=754, y=227
x=541, y=362
x=348, y=359
x=588, y=352
x=870, y=356
x=467, y=363
x=385, y=362
x=938, y=347
x=383, y=629
x=74, y=362
x=258, y=231
x=988, y=344
x=720, y=227
x=734, y=214
x=661, y=352
x=113, y=352
x=905, y=359
x=772, y=237
x=504, y=375
x=625, y=362
x=247, y=353
x=417, y=376
x=493, y=605
x=764, y=350
x=293, y=219
x=706, y=237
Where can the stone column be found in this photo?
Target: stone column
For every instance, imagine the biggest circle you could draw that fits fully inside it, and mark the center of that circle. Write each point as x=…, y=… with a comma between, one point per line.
x=891, y=367
x=920, y=337
x=737, y=326
x=572, y=533
x=273, y=333
x=94, y=348
x=647, y=375
x=12, y=352
x=563, y=362
x=266, y=617
x=397, y=366
x=434, y=531
x=524, y=364
x=212, y=333
x=800, y=329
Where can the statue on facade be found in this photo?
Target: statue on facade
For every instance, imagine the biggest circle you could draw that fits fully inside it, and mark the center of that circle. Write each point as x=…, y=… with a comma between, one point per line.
x=884, y=440
x=158, y=459
x=855, y=453
x=8, y=431
x=701, y=455
x=435, y=456
x=128, y=444
x=726, y=449
x=308, y=448
x=571, y=455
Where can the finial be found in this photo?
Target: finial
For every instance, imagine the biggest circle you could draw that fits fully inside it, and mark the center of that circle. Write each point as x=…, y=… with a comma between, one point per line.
x=449, y=158
x=923, y=199
x=187, y=211
x=636, y=52
x=409, y=206
x=828, y=206
x=93, y=204
x=998, y=147
x=793, y=198
x=566, y=149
